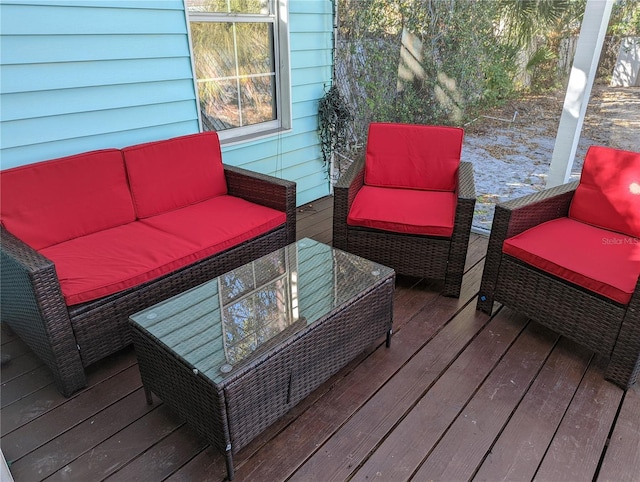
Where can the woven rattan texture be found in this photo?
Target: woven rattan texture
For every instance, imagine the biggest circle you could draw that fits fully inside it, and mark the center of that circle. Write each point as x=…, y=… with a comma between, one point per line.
x=192, y=396
x=596, y=322
x=68, y=339
x=231, y=413
x=271, y=387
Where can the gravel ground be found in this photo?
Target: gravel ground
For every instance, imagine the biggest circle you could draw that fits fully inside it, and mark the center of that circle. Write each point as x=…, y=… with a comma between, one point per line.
x=511, y=147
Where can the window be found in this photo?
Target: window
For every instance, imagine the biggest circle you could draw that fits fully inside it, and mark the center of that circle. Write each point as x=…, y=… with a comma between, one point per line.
x=240, y=51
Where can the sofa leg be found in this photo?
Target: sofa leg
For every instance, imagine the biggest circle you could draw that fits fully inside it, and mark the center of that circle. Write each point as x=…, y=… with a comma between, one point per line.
x=623, y=376
x=71, y=384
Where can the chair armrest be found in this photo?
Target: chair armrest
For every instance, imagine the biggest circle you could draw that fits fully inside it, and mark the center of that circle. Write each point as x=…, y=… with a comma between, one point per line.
x=529, y=211
x=33, y=306
x=265, y=190
x=466, y=192
x=513, y=217
x=466, y=184
x=344, y=192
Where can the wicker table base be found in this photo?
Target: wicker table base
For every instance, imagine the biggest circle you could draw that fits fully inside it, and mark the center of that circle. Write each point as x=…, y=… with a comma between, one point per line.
x=232, y=361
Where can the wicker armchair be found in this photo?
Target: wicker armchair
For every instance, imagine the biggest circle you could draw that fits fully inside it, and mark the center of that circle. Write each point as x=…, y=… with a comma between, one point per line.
x=428, y=251
x=610, y=327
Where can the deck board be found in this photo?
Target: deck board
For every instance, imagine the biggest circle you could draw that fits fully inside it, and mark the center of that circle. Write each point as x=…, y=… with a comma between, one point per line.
x=459, y=395
x=514, y=457
x=415, y=437
x=624, y=447
x=581, y=437
x=463, y=447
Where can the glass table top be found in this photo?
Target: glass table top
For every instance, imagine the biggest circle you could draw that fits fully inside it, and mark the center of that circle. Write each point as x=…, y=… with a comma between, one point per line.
x=224, y=324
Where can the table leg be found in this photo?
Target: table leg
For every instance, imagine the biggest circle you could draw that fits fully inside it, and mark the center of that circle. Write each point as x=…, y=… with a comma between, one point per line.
x=229, y=457
x=147, y=394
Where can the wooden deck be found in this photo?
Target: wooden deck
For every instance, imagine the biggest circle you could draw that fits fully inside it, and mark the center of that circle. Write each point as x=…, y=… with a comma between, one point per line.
x=458, y=396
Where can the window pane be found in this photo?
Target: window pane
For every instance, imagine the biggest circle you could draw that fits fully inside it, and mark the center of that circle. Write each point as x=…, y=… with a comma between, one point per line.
x=255, y=48
x=219, y=104
x=226, y=6
x=213, y=50
x=258, y=99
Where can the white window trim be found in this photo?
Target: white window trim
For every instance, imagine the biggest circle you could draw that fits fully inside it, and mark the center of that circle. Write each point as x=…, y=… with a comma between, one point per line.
x=282, y=49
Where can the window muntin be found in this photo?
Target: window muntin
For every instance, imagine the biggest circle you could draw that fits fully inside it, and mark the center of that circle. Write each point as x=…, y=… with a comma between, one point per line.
x=236, y=50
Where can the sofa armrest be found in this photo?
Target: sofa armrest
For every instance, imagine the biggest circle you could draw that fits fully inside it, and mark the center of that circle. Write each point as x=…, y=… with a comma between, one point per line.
x=266, y=190
x=344, y=192
x=33, y=306
x=513, y=217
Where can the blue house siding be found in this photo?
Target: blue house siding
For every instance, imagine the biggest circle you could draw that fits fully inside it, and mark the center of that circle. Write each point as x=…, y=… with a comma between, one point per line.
x=78, y=75
x=81, y=75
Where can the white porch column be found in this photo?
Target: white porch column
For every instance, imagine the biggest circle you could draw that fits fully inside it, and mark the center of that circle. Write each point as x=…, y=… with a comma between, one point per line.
x=583, y=72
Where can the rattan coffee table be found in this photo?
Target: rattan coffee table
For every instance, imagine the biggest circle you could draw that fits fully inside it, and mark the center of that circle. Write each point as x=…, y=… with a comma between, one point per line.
x=233, y=355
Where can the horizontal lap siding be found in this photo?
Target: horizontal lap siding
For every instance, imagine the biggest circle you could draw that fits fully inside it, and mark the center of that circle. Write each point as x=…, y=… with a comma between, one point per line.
x=82, y=75
x=79, y=75
x=296, y=155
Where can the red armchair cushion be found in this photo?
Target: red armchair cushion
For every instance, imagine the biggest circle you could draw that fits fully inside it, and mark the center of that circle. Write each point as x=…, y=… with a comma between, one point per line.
x=53, y=201
x=113, y=260
x=608, y=195
x=599, y=260
x=413, y=156
x=175, y=173
x=430, y=213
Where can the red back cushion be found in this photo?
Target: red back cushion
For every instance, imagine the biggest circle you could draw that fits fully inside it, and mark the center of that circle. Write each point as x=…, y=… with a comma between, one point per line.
x=608, y=195
x=54, y=201
x=174, y=173
x=413, y=156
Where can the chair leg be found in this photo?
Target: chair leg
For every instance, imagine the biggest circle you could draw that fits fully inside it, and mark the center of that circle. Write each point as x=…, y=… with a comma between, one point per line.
x=485, y=303
x=624, y=366
x=452, y=285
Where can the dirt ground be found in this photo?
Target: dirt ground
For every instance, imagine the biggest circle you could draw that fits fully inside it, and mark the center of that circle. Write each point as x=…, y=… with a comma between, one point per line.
x=511, y=146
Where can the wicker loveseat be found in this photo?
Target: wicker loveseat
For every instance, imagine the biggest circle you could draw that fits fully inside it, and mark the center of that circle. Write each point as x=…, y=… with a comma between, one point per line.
x=89, y=239
x=569, y=258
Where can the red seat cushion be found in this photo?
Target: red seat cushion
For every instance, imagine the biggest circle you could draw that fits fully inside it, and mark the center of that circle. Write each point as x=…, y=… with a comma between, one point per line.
x=175, y=173
x=430, y=213
x=608, y=195
x=218, y=223
x=413, y=156
x=599, y=260
x=53, y=201
x=103, y=263
x=113, y=260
